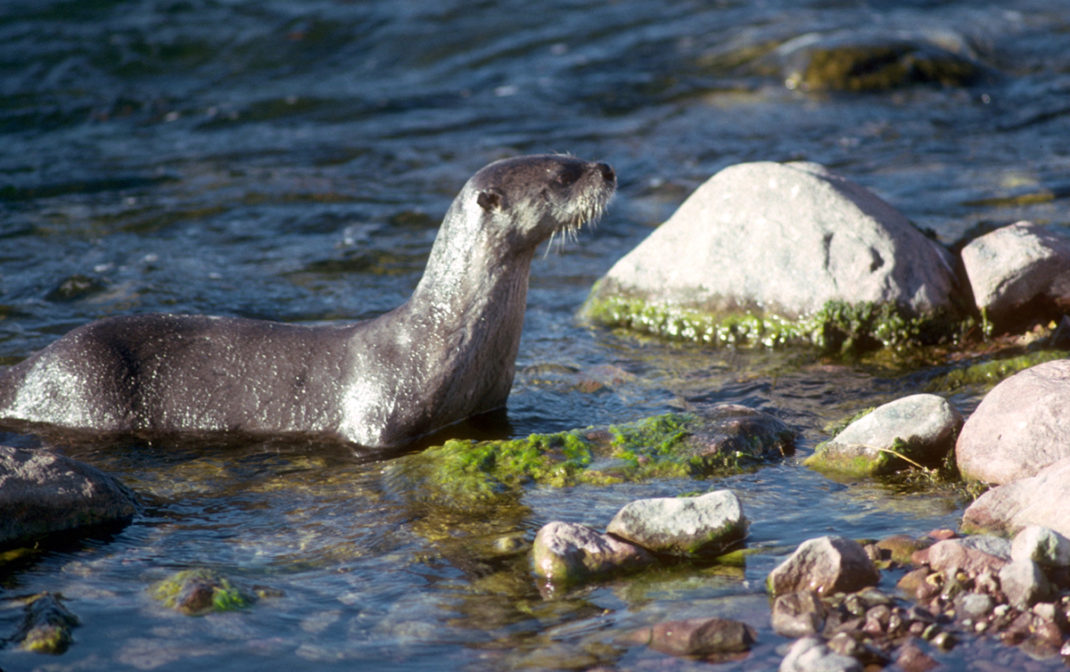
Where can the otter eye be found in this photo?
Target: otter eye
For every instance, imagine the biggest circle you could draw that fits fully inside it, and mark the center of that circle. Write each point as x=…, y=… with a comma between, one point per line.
x=490, y=200
x=569, y=174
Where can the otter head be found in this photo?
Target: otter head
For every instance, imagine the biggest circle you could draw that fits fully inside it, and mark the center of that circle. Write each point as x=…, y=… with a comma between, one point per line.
x=528, y=199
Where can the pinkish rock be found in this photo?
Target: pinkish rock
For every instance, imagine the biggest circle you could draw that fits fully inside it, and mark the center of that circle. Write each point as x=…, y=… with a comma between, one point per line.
x=698, y=637
x=1019, y=428
x=972, y=557
x=825, y=565
x=1039, y=500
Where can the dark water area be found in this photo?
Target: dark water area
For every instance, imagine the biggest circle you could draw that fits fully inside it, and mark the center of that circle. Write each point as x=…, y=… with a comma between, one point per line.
x=292, y=161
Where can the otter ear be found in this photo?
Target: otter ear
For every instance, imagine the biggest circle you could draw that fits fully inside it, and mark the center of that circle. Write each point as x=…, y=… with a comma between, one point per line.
x=490, y=199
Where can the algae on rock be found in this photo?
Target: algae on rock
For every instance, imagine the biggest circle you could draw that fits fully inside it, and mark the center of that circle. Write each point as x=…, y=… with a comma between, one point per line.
x=675, y=445
x=199, y=591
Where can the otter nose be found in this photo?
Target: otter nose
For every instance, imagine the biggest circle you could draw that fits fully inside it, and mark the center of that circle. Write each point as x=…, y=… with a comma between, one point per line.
x=607, y=172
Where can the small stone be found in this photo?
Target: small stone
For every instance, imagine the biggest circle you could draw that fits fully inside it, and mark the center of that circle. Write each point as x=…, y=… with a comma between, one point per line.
x=698, y=637
x=899, y=548
x=913, y=581
x=704, y=525
x=973, y=606
x=810, y=654
x=798, y=614
x=944, y=640
x=957, y=554
x=912, y=659
x=826, y=565
x=569, y=553
x=1042, y=545
x=46, y=625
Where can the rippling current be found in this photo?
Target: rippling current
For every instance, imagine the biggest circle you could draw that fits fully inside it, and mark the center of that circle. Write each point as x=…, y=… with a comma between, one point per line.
x=292, y=160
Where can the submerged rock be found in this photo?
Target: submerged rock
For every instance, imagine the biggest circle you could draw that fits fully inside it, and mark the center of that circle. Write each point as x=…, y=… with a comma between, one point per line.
x=566, y=554
x=727, y=439
x=921, y=428
x=798, y=614
x=698, y=637
x=46, y=625
x=1020, y=427
x=43, y=493
x=706, y=525
x=1020, y=274
x=825, y=565
x=1039, y=500
x=861, y=60
x=773, y=253
x=200, y=591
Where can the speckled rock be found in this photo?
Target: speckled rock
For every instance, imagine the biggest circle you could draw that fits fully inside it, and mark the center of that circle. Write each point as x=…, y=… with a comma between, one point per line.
x=569, y=553
x=921, y=427
x=705, y=525
x=1039, y=500
x=825, y=565
x=777, y=242
x=1020, y=427
x=42, y=492
x=1019, y=274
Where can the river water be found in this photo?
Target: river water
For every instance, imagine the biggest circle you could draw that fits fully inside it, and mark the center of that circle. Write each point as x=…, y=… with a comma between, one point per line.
x=292, y=160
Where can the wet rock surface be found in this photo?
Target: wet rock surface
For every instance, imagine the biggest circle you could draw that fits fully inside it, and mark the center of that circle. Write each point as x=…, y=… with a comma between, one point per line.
x=919, y=429
x=44, y=493
x=1019, y=428
x=705, y=525
x=46, y=625
x=708, y=638
x=1019, y=274
x=861, y=60
x=825, y=565
x=566, y=554
x=818, y=238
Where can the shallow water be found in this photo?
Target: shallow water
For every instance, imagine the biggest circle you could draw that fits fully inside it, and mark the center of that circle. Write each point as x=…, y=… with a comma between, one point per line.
x=292, y=160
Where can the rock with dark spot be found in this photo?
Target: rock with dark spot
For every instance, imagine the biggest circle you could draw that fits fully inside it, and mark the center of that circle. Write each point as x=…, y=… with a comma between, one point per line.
x=704, y=525
x=1020, y=274
x=1020, y=427
x=826, y=565
x=1042, y=545
x=798, y=614
x=921, y=428
x=569, y=553
x=43, y=493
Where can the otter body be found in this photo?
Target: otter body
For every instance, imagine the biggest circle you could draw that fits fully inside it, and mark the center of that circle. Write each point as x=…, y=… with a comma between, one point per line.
x=446, y=354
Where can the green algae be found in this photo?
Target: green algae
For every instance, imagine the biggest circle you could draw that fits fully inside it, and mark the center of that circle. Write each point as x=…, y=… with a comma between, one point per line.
x=989, y=372
x=674, y=445
x=46, y=626
x=200, y=591
x=838, y=327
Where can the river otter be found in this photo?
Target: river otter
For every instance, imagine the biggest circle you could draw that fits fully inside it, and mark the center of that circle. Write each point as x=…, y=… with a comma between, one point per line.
x=446, y=354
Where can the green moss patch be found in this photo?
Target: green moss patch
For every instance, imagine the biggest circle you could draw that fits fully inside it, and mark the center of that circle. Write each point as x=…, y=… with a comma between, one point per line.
x=837, y=327
x=989, y=372
x=200, y=591
x=674, y=445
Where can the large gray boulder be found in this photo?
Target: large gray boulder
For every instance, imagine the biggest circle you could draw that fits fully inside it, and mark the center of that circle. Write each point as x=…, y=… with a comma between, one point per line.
x=1019, y=273
x=704, y=525
x=1039, y=500
x=777, y=243
x=921, y=428
x=42, y=493
x=1020, y=427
